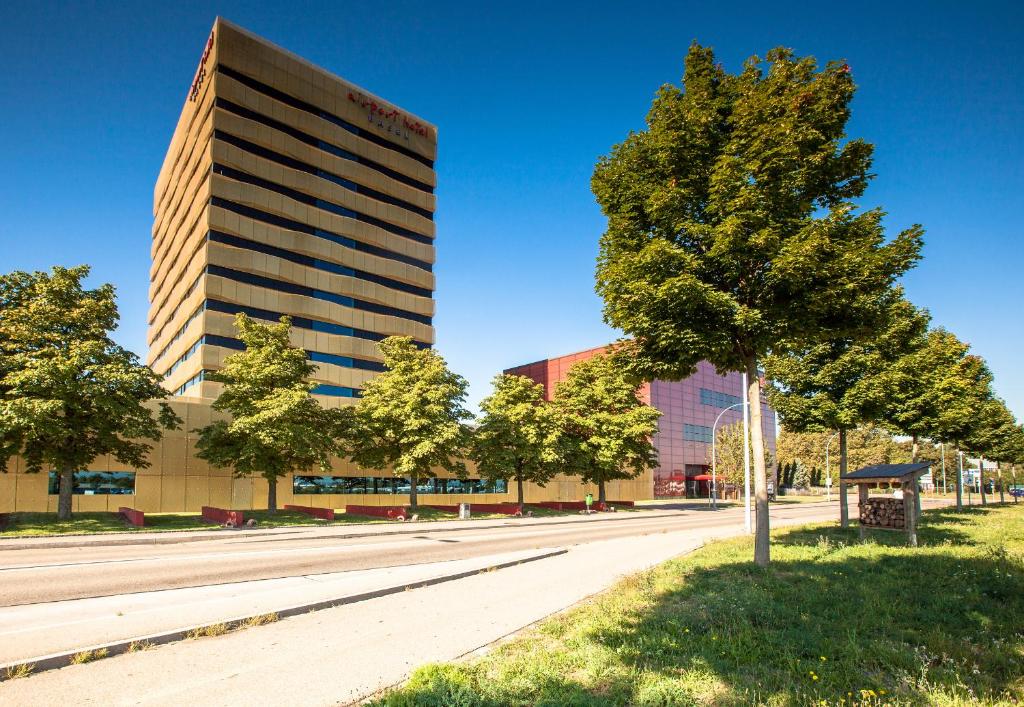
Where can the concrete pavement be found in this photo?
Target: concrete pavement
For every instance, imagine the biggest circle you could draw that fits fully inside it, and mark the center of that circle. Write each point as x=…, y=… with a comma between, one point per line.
x=346, y=653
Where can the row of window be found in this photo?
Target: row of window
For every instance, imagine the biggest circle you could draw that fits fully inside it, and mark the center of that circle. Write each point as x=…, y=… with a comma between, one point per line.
x=392, y=485
x=303, y=198
x=282, y=222
x=256, y=117
x=301, y=322
x=322, y=389
x=697, y=433
x=122, y=483
x=325, y=265
x=293, y=163
x=717, y=399
x=330, y=117
x=178, y=334
x=197, y=378
x=291, y=288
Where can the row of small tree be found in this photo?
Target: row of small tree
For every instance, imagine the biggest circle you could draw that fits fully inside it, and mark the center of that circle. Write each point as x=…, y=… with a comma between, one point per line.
x=411, y=419
x=735, y=235
x=69, y=394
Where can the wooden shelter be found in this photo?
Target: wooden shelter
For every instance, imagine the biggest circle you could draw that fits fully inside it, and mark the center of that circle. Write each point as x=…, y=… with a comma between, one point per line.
x=889, y=512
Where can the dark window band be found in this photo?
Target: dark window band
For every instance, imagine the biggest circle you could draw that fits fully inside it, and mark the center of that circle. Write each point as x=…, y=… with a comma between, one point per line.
x=245, y=177
x=308, y=261
x=301, y=166
x=291, y=288
x=341, y=152
x=282, y=222
x=319, y=485
x=330, y=117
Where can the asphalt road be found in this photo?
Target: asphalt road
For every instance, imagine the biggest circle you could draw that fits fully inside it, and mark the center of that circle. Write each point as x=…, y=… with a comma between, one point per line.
x=32, y=575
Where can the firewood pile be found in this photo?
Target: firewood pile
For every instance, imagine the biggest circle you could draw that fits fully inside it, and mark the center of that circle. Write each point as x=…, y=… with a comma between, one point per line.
x=883, y=513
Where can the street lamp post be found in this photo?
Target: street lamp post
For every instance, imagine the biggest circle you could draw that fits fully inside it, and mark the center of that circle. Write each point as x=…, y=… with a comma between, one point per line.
x=714, y=458
x=828, y=470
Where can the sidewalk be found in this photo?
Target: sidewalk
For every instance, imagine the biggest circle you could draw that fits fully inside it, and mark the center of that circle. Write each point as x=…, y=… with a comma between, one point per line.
x=33, y=631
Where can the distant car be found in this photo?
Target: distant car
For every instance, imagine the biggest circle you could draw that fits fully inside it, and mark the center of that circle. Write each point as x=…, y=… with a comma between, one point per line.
x=1017, y=492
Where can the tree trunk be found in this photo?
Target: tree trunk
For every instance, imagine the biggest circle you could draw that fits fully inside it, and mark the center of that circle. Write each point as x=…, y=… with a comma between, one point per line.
x=981, y=479
x=844, y=511
x=66, y=483
x=762, y=548
x=999, y=472
x=1013, y=474
x=959, y=482
x=271, y=494
x=600, y=491
x=413, y=483
x=519, y=488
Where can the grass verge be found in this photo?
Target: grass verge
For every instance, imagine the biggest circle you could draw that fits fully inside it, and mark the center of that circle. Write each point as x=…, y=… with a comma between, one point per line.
x=833, y=621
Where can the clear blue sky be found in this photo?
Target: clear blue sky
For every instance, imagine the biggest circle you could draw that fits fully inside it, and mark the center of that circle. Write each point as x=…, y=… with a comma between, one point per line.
x=526, y=97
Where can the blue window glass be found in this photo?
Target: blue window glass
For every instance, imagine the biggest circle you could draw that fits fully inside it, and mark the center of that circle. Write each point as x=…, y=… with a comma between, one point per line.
x=97, y=483
x=696, y=433
x=718, y=399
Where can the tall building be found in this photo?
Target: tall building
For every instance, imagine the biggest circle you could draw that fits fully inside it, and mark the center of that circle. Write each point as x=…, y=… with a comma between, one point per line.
x=689, y=408
x=287, y=190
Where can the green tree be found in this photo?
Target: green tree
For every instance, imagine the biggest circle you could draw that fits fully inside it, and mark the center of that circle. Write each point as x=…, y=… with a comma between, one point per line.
x=68, y=393
x=732, y=231
x=410, y=417
x=992, y=437
x=607, y=430
x=938, y=393
x=844, y=382
x=517, y=437
x=276, y=427
x=729, y=451
x=801, y=476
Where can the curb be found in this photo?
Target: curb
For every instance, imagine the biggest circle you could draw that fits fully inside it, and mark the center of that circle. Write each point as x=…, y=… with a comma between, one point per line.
x=62, y=659
x=144, y=538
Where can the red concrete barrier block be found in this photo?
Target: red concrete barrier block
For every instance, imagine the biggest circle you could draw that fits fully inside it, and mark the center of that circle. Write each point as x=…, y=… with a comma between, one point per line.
x=221, y=515
x=134, y=517
x=323, y=513
x=446, y=509
x=509, y=509
x=392, y=512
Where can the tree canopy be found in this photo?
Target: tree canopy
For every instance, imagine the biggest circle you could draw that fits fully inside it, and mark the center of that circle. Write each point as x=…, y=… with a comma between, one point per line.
x=410, y=417
x=276, y=427
x=68, y=393
x=607, y=430
x=732, y=231
x=729, y=452
x=517, y=436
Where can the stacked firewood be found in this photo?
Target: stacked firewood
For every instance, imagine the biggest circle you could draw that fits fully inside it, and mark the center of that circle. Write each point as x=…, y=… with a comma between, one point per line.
x=883, y=513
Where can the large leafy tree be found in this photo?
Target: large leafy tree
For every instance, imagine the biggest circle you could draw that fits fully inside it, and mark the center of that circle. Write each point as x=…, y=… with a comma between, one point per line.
x=276, y=427
x=844, y=382
x=410, y=417
x=517, y=436
x=68, y=393
x=940, y=390
x=607, y=430
x=732, y=231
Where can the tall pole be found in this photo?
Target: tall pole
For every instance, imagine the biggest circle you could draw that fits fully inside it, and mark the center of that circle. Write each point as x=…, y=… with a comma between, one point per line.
x=746, y=457
x=714, y=458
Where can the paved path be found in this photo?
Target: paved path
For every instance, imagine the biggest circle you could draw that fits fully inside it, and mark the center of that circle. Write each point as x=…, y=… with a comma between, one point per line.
x=345, y=653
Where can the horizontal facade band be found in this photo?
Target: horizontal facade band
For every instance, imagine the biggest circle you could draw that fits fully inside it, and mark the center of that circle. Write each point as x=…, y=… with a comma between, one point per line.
x=294, y=102
x=283, y=222
x=320, y=144
x=304, y=291
x=316, y=263
x=338, y=180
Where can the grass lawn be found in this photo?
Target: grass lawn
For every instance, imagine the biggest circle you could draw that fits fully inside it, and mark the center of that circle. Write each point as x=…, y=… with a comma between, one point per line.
x=833, y=621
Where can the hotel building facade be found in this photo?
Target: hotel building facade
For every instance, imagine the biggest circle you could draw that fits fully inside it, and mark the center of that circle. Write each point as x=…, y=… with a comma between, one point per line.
x=690, y=409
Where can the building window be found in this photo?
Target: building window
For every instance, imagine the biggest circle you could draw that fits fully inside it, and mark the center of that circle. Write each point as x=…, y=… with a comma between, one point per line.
x=696, y=433
x=392, y=485
x=97, y=483
x=717, y=399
